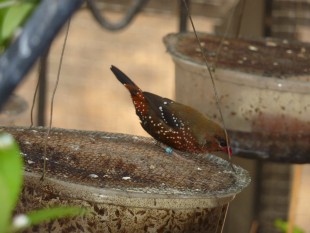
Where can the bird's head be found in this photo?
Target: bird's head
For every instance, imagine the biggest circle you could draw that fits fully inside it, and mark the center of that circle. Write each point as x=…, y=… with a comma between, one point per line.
x=222, y=145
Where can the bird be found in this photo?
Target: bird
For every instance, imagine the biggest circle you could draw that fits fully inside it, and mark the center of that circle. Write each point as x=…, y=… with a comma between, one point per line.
x=176, y=125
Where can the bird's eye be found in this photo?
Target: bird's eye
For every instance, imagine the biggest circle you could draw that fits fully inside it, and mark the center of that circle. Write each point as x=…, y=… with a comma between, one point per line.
x=222, y=142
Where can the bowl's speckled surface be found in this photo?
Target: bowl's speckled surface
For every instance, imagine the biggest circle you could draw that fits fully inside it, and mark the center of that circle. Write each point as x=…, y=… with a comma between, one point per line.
x=128, y=183
x=263, y=86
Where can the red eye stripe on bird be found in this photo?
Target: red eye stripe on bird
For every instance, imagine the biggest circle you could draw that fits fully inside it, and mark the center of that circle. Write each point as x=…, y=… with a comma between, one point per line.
x=173, y=124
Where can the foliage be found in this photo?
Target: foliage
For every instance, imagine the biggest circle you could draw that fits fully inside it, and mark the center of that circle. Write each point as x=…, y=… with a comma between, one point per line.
x=10, y=178
x=13, y=14
x=283, y=225
x=11, y=175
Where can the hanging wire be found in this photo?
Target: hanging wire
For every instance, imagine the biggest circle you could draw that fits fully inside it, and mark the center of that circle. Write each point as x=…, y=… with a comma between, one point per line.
x=33, y=103
x=240, y=17
x=52, y=101
x=217, y=99
x=219, y=49
x=209, y=70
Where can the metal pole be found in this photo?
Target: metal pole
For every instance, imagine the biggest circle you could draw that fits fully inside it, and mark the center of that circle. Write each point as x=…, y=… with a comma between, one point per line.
x=183, y=15
x=34, y=39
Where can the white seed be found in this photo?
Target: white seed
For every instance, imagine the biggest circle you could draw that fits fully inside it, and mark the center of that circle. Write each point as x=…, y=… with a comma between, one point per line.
x=93, y=176
x=252, y=48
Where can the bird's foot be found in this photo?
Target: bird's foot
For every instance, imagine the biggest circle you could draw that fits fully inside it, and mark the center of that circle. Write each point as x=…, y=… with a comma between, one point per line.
x=170, y=151
x=167, y=149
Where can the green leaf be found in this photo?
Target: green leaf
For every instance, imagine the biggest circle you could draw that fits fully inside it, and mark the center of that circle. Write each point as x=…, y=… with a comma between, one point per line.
x=13, y=17
x=283, y=225
x=22, y=221
x=5, y=210
x=10, y=177
x=39, y=216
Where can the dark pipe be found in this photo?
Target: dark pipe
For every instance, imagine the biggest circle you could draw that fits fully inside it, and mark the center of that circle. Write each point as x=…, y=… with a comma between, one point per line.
x=34, y=39
x=183, y=15
x=43, y=70
x=105, y=23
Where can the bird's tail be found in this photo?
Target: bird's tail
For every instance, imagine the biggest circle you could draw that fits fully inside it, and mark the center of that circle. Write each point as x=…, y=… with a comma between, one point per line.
x=126, y=81
x=137, y=95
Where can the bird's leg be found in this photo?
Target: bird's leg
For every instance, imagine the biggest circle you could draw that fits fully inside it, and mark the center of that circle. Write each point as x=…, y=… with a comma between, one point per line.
x=167, y=149
x=170, y=151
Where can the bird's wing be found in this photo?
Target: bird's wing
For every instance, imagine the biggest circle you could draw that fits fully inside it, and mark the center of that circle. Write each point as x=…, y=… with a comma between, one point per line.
x=161, y=108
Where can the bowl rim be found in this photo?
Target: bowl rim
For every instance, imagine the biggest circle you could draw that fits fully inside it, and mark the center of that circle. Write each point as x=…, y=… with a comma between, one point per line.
x=239, y=77
x=73, y=191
